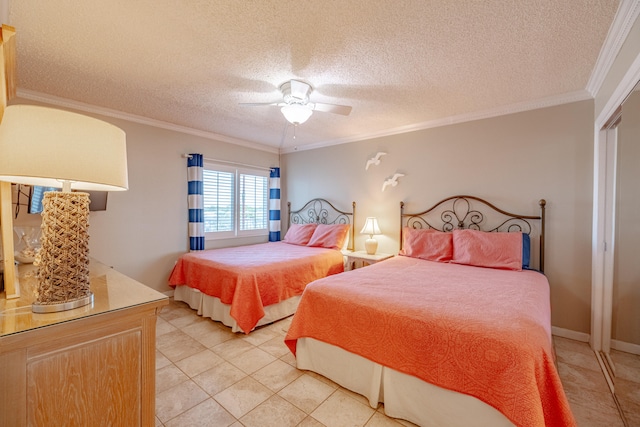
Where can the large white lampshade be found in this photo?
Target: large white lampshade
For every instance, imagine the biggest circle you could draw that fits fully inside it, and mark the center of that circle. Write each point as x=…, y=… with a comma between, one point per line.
x=371, y=227
x=56, y=148
x=296, y=113
x=46, y=146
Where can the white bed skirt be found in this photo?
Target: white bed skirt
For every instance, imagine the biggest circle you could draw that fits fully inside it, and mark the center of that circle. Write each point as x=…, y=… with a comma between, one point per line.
x=404, y=396
x=208, y=306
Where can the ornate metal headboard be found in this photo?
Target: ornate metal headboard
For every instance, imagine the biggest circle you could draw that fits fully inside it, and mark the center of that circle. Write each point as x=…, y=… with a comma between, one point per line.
x=321, y=211
x=469, y=212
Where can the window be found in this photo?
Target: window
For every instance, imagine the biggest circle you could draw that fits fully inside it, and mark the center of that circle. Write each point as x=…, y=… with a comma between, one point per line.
x=235, y=202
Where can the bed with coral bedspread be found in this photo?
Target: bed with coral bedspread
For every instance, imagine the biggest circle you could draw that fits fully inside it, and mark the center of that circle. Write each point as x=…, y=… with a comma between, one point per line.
x=252, y=285
x=453, y=331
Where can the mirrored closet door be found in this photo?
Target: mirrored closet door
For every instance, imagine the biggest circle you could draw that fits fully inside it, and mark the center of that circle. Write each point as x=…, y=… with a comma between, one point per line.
x=621, y=343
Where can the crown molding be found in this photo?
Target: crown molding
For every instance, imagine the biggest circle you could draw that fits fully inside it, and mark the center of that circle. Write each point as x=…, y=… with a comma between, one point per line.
x=567, y=98
x=494, y=112
x=626, y=16
x=80, y=106
x=623, y=90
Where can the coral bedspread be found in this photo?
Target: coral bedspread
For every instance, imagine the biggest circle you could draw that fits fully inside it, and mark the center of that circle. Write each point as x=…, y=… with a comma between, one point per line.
x=248, y=278
x=479, y=331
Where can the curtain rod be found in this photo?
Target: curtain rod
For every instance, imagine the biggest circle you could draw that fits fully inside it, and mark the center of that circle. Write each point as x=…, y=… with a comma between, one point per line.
x=188, y=156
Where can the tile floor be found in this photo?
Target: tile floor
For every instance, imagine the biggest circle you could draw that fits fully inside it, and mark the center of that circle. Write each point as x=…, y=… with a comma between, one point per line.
x=627, y=385
x=208, y=376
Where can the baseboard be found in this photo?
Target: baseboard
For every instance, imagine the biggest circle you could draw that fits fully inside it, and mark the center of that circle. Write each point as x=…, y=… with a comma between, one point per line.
x=169, y=293
x=572, y=335
x=625, y=346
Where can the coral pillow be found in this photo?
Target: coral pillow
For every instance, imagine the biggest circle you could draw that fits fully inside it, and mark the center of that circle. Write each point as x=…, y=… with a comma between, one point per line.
x=329, y=236
x=299, y=234
x=488, y=249
x=428, y=244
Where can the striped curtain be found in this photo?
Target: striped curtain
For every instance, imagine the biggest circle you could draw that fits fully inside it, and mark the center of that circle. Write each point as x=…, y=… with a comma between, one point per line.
x=274, y=205
x=195, y=198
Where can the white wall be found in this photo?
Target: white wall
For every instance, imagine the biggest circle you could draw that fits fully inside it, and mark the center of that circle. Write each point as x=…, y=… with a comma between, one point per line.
x=512, y=161
x=144, y=230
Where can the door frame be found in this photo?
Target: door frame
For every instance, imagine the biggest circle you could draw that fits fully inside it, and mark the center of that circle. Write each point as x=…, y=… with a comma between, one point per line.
x=604, y=210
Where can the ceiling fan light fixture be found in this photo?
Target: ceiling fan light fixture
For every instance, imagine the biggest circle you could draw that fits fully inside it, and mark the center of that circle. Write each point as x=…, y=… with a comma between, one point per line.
x=296, y=113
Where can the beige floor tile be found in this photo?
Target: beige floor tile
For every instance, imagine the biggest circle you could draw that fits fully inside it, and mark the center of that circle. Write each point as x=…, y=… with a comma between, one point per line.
x=177, y=345
x=309, y=421
x=252, y=360
x=381, y=420
x=633, y=418
x=325, y=380
x=231, y=349
x=275, y=346
x=406, y=423
x=169, y=376
x=175, y=310
x=585, y=400
x=199, y=362
x=277, y=375
x=206, y=414
x=575, y=353
x=219, y=335
x=588, y=416
x=243, y=396
x=580, y=377
x=258, y=336
x=306, y=393
x=176, y=400
x=281, y=326
x=628, y=389
x=360, y=398
x=341, y=410
x=628, y=393
x=627, y=384
x=627, y=365
x=218, y=378
x=187, y=319
x=202, y=327
x=290, y=359
x=159, y=423
x=161, y=361
x=162, y=327
x=274, y=412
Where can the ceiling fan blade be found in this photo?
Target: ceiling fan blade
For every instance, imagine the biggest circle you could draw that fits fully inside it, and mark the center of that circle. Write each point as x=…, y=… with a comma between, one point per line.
x=300, y=90
x=345, y=110
x=259, y=104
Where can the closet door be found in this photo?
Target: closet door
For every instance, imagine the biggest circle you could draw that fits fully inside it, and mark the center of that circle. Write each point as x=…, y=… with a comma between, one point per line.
x=623, y=346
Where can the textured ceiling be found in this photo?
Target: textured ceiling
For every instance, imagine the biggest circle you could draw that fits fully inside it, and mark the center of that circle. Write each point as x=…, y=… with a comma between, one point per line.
x=399, y=64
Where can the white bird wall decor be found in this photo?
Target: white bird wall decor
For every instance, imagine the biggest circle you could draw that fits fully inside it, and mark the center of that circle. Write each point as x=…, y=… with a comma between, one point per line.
x=393, y=181
x=374, y=160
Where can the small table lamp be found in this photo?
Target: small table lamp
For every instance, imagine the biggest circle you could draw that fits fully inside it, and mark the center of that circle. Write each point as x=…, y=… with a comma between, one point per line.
x=56, y=148
x=371, y=228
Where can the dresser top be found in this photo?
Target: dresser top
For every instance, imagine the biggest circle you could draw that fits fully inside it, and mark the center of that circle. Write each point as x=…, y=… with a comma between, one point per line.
x=112, y=291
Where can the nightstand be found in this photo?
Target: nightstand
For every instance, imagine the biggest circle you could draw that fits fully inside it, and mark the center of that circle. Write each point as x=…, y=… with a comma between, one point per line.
x=362, y=259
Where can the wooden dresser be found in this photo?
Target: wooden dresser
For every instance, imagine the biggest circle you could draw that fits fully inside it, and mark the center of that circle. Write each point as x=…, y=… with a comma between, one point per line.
x=93, y=365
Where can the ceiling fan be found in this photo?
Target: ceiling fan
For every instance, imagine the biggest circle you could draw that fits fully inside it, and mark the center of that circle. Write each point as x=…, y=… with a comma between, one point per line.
x=295, y=105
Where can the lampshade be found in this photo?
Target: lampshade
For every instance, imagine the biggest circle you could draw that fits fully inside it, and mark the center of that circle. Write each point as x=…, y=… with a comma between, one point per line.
x=371, y=227
x=296, y=113
x=56, y=148
x=45, y=146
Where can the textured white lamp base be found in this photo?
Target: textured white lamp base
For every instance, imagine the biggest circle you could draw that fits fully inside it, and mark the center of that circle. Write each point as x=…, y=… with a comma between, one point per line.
x=371, y=246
